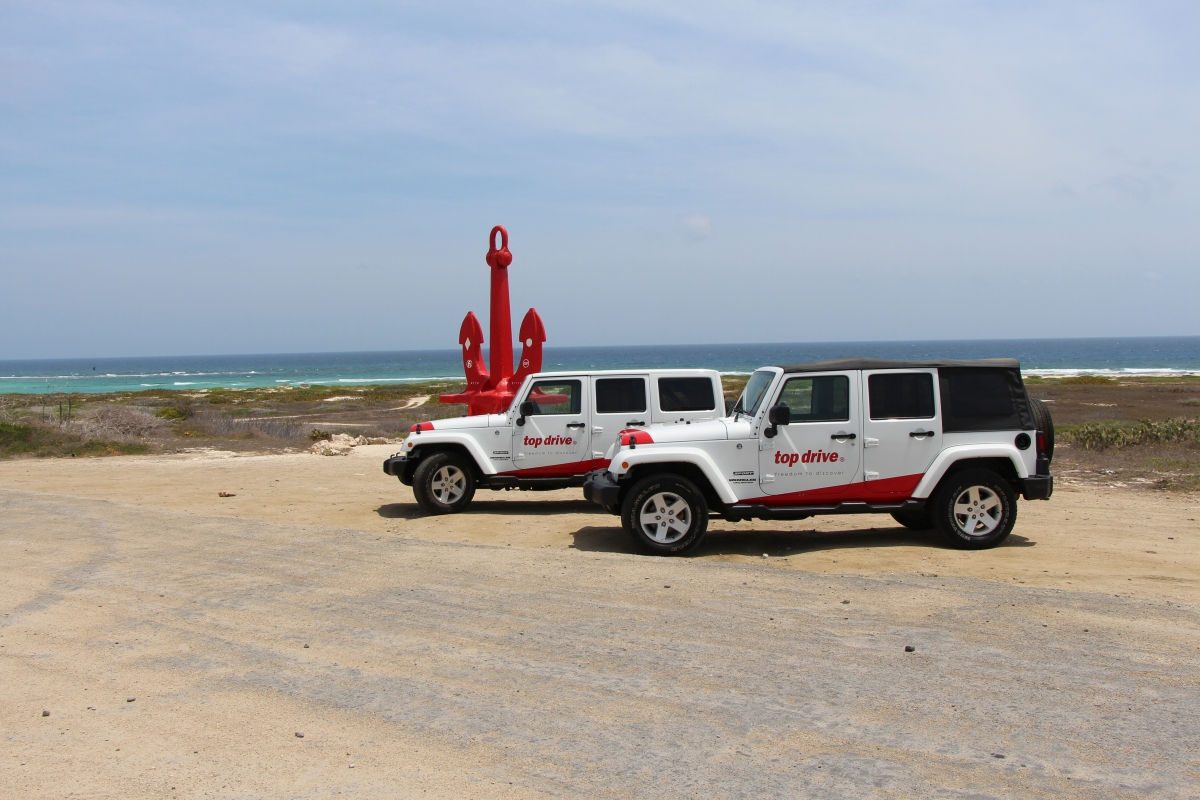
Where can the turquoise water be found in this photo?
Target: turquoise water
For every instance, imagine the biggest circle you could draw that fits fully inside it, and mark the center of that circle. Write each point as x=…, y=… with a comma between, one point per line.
x=1149, y=355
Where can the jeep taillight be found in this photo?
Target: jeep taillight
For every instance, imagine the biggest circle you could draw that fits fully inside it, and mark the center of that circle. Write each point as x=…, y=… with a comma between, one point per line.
x=1041, y=441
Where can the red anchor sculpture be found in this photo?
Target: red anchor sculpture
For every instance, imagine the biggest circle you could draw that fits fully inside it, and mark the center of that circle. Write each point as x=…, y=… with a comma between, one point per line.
x=490, y=392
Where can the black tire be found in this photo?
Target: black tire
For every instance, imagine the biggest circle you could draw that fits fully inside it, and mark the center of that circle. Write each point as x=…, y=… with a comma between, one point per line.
x=665, y=514
x=444, y=483
x=914, y=520
x=1045, y=425
x=975, y=509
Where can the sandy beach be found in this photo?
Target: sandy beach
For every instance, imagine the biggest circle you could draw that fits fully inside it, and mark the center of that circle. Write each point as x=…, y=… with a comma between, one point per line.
x=312, y=634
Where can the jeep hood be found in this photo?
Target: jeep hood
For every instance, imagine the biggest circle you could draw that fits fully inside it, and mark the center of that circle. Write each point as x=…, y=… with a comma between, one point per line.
x=705, y=431
x=463, y=423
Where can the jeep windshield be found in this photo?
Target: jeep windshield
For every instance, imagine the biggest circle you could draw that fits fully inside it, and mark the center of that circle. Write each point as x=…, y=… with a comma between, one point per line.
x=752, y=395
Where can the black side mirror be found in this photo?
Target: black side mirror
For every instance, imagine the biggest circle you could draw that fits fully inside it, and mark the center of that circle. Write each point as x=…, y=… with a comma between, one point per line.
x=528, y=409
x=778, y=415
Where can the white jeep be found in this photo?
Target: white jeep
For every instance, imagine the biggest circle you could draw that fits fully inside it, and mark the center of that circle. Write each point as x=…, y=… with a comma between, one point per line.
x=556, y=431
x=936, y=444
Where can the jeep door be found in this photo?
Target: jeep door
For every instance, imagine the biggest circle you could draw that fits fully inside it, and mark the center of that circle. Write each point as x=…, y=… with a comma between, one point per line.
x=618, y=402
x=554, y=439
x=817, y=456
x=902, y=430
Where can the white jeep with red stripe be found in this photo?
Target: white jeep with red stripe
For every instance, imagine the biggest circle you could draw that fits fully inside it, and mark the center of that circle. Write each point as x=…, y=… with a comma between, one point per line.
x=556, y=431
x=937, y=444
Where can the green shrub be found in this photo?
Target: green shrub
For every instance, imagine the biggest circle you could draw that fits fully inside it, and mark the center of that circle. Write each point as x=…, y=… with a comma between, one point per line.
x=219, y=397
x=318, y=435
x=174, y=413
x=1115, y=435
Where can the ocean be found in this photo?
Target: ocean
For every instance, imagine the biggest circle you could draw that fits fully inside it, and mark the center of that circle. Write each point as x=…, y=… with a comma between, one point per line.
x=1047, y=357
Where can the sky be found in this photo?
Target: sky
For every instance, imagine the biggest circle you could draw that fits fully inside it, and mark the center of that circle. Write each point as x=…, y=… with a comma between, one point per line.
x=256, y=177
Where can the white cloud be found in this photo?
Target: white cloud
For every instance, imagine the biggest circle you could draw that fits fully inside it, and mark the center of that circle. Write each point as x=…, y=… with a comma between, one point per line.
x=698, y=226
x=860, y=140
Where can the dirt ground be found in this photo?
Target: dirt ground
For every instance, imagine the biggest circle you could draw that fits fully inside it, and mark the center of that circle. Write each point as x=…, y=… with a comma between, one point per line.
x=312, y=634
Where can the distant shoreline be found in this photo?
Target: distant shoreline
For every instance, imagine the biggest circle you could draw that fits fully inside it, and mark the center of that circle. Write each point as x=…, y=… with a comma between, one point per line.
x=419, y=385
x=1120, y=358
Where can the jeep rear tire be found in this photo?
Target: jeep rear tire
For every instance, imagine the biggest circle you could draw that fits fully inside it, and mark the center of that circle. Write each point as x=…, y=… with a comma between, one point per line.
x=444, y=483
x=1044, y=424
x=665, y=514
x=975, y=509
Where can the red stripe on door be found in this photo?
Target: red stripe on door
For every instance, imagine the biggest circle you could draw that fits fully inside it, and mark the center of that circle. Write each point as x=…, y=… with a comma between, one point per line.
x=558, y=470
x=881, y=491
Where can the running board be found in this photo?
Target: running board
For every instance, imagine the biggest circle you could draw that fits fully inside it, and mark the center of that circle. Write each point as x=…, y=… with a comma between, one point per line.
x=534, y=484
x=740, y=511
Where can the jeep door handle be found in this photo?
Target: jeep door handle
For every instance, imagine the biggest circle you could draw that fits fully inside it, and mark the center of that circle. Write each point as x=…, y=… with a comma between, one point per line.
x=837, y=436
x=635, y=422
x=576, y=425
x=920, y=434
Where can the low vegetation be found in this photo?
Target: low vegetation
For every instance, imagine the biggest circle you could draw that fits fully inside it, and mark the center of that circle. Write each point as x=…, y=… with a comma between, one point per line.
x=256, y=420
x=1118, y=434
x=45, y=441
x=1139, y=431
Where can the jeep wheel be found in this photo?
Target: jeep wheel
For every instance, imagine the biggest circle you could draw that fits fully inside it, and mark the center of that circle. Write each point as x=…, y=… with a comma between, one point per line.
x=443, y=483
x=974, y=509
x=666, y=514
x=1045, y=425
x=914, y=520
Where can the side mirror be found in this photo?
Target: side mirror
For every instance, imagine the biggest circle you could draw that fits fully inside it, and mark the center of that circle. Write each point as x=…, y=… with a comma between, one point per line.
x=528, y=409
x=778, y=415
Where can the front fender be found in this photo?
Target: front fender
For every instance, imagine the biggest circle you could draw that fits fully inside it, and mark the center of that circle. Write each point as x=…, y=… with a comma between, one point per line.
x=632, y=459
x=436, y=440
x=970, y=452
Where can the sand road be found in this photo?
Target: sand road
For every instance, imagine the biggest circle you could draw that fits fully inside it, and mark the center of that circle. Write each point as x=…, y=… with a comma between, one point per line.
x=180, y=641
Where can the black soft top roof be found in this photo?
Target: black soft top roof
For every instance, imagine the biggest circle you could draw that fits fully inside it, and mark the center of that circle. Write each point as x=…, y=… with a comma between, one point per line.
x=882, y=363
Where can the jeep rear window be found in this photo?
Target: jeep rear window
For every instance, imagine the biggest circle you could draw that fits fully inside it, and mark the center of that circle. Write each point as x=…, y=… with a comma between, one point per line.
x=557, y=397
x=620, y=395
x=817, y=398
x=901, y=395
x=983, y=399
x=686, y=394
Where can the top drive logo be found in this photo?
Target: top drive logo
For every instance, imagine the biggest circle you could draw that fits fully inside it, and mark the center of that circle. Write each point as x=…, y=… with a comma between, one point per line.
x=811, y=457
x=549, y=441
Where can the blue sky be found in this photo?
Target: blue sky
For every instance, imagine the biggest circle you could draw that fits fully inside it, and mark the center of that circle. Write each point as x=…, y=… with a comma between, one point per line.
x=230, y=177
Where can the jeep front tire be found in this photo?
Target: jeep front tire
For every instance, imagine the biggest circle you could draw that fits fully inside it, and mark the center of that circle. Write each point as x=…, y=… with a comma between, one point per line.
x=444, y=483
x=975, y=509
x=665, y=514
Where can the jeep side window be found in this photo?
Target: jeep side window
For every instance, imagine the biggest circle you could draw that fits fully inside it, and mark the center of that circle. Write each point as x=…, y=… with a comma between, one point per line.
x=686, y=394
x=901, y=395
x=817, y=398
x=557, y=396
x=620, y=395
